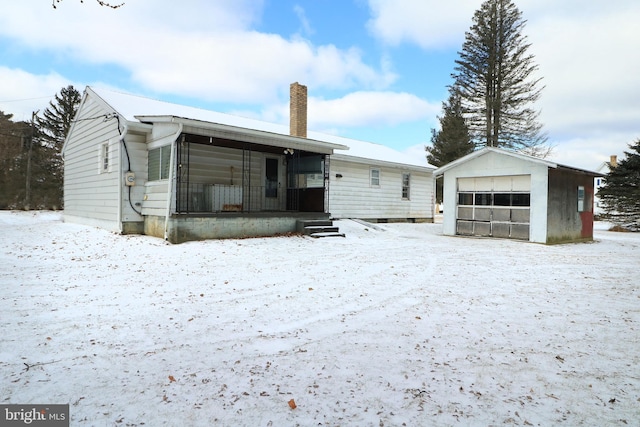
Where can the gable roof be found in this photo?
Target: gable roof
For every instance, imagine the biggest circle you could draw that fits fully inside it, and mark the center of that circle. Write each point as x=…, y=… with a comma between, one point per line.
x=486, y=150
x=139, y=109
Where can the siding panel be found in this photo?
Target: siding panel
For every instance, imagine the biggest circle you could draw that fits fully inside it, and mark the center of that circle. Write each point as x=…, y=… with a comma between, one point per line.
x=87, y=192
x=352, y=196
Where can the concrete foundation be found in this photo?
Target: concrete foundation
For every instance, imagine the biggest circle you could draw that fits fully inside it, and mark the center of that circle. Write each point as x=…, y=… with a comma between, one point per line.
x=189, y=228
x=132, y=227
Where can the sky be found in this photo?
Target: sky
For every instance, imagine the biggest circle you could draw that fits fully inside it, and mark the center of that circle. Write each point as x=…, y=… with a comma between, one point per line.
x=376, y=70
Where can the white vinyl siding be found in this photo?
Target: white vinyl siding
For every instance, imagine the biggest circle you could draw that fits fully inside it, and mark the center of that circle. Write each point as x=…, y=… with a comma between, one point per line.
x=137, y=148
x=352, y=195
x=88, y=194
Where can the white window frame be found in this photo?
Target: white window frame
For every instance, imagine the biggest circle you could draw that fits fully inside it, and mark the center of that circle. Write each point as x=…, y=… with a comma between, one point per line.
x=165, y=156
x=104, y=160
x=374, y=181
x=582, y=199
x=406, y=188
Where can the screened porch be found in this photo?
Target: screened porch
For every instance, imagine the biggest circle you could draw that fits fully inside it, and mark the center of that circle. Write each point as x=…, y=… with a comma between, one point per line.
x=219, y=176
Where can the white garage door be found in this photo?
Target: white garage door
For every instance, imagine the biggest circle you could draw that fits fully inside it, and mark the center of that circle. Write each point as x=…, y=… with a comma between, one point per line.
x=496, y=206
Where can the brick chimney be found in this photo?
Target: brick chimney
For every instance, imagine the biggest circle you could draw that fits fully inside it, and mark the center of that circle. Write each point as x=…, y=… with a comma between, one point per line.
x=614, y=161
x=298, y=110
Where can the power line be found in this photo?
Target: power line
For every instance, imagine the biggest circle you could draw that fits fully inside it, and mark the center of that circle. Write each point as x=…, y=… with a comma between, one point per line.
x=105, y=117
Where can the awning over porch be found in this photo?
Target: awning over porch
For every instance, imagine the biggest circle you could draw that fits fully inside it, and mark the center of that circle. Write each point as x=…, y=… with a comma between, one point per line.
x=242, y=134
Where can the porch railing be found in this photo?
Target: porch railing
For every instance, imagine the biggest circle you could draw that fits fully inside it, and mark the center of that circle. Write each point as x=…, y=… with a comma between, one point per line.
x=216, y=198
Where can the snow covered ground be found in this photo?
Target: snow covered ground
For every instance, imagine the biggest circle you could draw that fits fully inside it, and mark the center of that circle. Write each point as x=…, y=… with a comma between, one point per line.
x=393, y=325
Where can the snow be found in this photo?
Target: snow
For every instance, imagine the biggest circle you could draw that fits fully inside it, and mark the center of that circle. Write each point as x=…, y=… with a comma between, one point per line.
x=395, y=324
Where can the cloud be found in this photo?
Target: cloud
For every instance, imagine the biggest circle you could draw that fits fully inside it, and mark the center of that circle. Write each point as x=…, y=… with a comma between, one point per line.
x=373, y=109
x=589, y=69
x=589, y=153
x=306, y=28
x=431, y=24
x=356, y=109
x=25, y=93
x=200, y=49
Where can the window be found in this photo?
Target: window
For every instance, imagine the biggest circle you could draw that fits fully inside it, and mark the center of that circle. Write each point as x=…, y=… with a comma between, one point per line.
x=159, y=159
x=494, y=199
x=483, y=199
x=375, y=177
x=104, y=157
x=511, y=199
x=406, y=185
x=520, y=199
x=581, y=204
x=465, y=199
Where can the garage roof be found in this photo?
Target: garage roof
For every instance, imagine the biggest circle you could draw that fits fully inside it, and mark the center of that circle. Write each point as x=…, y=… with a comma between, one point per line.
x=520, y=156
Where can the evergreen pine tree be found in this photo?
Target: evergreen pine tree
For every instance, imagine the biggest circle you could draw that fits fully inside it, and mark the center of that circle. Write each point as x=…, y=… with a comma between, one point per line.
x=494, y=76
x=620, y=194
x=11, y=141
x=52, y=129
x=452, y=141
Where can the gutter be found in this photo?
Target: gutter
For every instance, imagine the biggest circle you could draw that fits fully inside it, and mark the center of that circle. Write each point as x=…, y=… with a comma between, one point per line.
x=120, y=173
x=172, y=168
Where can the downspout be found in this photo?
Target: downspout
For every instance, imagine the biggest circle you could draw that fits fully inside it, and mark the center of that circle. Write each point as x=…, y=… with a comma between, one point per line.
x=172, y=168
x=120, y=173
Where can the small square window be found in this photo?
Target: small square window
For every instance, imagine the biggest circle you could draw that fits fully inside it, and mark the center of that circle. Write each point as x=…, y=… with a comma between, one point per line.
x=465, y=199
x=483, y=199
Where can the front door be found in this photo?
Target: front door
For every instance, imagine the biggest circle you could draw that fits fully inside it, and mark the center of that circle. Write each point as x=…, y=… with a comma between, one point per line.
x=273, y=178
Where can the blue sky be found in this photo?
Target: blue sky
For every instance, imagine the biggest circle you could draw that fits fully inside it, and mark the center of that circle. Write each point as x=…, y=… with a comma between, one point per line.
x=376, y=70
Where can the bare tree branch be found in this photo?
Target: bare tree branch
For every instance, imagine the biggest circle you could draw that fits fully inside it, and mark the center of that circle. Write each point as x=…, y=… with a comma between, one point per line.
x=100, y=2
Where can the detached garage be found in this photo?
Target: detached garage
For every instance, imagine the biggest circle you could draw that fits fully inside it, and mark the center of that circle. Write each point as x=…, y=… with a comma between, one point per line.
x=499, y=193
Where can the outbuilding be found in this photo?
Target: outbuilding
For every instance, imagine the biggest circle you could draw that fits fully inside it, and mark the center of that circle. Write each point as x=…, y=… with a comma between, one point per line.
x=498, y=193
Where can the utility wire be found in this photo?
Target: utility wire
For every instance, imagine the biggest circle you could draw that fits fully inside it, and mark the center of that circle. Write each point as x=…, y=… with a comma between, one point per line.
x=106, y=118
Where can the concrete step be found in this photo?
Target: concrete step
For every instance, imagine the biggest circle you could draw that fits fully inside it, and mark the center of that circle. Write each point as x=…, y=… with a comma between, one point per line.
x=326, y=234
x=315, y=222
x=319, y=228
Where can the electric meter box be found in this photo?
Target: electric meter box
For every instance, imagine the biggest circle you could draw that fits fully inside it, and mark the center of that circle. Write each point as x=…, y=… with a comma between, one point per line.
x=130, y=179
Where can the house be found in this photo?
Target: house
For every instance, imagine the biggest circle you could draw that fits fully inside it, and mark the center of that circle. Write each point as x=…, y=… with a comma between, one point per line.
x=134, y=165
x=378, y=184
x=499, y=193
x=603, y=170
x=139, y=166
